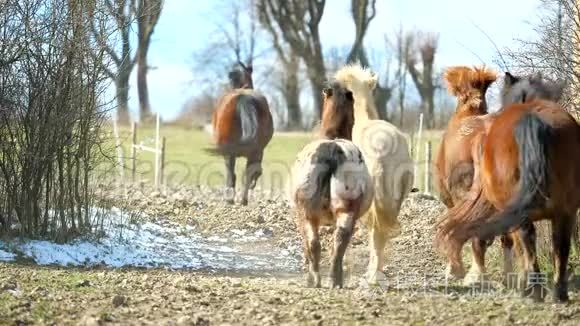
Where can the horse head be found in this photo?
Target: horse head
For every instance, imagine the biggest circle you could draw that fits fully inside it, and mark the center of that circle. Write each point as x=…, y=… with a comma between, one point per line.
x=518, y=89
x=337, y=112
x=241, y=78
x=469, y=85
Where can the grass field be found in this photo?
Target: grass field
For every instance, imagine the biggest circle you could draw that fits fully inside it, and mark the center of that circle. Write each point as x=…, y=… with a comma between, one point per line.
x=187, y=163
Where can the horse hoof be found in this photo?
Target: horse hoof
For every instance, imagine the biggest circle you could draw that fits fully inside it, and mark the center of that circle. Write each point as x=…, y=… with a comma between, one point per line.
x=244, y=202
x=474, y=278
x=454, y=273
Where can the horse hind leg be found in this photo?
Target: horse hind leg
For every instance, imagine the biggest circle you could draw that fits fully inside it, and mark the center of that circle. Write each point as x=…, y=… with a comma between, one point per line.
x=342, y=236
x=476, y=273
x=561, y=240
x=230, y=178
x=312, y=249
x=533, y=282
x=507, y=244
x=377, y=243
x=253, y=172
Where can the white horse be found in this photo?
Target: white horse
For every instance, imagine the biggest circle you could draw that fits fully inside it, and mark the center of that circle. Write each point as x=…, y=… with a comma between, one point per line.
x=389, y=163
x=330, y=185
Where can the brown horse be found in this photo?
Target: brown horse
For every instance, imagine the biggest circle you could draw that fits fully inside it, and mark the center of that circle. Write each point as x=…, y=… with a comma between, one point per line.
x=242, y=126
x=526, y=166
x=337, y=112
x=454, y=162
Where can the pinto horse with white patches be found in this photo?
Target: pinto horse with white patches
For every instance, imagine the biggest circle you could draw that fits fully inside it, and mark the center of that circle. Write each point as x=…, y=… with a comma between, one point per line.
x=242, y=126
x=330, y=186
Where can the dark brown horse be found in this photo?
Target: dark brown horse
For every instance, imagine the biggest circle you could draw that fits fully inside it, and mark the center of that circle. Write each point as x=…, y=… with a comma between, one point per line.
x=337, y=112
x=454, y=162
x=526, y=167
x=242, y=126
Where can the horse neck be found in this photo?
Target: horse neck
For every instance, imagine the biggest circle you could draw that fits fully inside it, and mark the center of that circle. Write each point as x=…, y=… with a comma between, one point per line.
x=471, y=108
x=365, y=109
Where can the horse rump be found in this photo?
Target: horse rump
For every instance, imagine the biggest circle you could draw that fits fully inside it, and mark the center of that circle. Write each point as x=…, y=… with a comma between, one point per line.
x=533, y=137
x=327, y=158
x=246, y=121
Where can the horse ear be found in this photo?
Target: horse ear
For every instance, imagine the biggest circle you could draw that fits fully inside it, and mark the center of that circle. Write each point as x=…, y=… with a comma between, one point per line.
x=510, y=79
x=327, y=92
x=372, y=82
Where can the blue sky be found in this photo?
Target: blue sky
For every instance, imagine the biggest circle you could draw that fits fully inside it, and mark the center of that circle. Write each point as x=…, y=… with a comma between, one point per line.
x=186, y=26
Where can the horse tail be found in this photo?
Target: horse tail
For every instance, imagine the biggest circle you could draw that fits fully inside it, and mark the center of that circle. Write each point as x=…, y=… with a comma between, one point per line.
x=328, y=157
x=533, y=137
x=247, y=107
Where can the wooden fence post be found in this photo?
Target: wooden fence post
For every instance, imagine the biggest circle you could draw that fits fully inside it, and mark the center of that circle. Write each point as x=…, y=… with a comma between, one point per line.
x=133, y=151
x=428, y=167
x=119, y=149
x=162, y=168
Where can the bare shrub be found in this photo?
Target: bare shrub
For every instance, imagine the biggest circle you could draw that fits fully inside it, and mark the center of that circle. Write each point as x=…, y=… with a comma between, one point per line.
x=51, y=100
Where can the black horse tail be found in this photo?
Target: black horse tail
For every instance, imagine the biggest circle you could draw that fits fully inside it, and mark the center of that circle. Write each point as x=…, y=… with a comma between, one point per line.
x=329, y=156
x=533, y=137
x=247, y=117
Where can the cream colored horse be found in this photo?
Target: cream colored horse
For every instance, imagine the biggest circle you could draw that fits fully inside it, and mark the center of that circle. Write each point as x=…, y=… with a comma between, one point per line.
x=389, y=162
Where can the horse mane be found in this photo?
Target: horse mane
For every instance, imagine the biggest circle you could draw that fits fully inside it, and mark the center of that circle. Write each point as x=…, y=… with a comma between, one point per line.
x=521, y=89
x=361, y=81
x=462, y=79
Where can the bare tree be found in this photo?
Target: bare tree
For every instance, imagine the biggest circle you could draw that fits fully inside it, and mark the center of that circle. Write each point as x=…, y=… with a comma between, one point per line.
x=425, y=47
x=556, y=48
x=363, y=12
x=235, y=44
x=401, y=46
x=289, y=85
x=53, y=107
x=297, y=21
x=120, y=14
x=148, y=12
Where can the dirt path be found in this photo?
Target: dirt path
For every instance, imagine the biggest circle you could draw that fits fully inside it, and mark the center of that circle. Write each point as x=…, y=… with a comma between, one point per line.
x=415, y=291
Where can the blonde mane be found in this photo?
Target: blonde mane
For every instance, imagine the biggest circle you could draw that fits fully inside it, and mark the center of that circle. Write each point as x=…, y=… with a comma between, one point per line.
x=361, y=82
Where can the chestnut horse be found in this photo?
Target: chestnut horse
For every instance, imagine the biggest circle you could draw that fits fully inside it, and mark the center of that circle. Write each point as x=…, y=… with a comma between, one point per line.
x=384, y=149
x=330, y=185
x=454, y=163
x=526, y=167
x=242, y=126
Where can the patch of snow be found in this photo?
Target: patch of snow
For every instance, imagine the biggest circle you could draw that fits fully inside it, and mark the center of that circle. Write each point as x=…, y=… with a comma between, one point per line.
x=160, y=244
x=6, y=256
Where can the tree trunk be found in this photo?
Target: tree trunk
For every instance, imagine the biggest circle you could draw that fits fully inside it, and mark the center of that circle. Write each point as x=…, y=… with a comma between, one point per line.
x=382, y=95
x=143, y=90
x=431, y=110
x=291, y=93
x=122, y=88
x=317, y=76
x=401, y=111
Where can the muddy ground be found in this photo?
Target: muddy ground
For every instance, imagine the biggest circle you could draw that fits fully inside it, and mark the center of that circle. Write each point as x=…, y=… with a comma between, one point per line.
x=415, y=291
